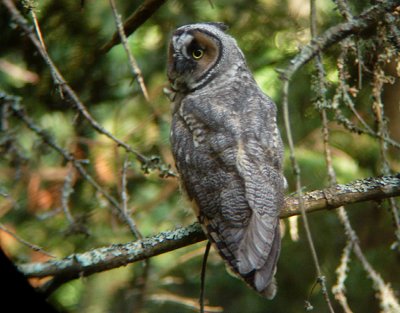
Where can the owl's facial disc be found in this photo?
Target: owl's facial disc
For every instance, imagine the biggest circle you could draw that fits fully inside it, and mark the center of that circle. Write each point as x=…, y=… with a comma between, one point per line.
x=192, y=56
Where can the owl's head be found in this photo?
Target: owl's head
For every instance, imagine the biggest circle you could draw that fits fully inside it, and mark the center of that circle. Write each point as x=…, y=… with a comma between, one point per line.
x=198, y=53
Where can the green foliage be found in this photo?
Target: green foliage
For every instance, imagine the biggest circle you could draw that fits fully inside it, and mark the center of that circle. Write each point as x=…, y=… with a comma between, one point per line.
x=32, y=175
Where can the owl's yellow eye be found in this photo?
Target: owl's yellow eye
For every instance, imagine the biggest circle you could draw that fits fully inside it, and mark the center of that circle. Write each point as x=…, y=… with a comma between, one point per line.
x=197, y=54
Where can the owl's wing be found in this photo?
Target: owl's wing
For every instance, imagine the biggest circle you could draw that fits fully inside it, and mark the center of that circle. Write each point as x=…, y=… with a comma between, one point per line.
x=256, y=164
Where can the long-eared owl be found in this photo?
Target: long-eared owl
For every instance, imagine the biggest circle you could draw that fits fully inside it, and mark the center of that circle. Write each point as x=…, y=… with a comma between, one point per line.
x=228, y=150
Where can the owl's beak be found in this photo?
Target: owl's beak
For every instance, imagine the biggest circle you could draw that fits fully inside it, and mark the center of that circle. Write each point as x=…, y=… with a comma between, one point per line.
x=179, y=64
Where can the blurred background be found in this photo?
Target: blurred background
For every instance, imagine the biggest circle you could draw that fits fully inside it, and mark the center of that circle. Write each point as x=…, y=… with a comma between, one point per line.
x=270, y=33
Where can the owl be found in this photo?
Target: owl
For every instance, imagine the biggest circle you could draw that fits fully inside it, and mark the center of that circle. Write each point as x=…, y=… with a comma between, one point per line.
x=228, y=150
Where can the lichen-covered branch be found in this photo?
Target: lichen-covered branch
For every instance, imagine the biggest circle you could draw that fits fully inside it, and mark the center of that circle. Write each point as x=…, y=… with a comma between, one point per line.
x=366, y=20
x=338, y=195
x=102, y=259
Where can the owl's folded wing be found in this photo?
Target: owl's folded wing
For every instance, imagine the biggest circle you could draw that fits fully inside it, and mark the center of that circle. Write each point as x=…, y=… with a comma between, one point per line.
x=259, y=249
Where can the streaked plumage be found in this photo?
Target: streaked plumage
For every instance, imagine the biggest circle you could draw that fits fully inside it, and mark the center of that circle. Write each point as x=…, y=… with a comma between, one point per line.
x=228, y=150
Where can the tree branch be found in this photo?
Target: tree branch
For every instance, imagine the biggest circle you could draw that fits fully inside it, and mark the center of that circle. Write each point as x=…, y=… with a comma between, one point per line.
x=106, y=258
x=136, y=72
x=359, y=24
x=141, y=15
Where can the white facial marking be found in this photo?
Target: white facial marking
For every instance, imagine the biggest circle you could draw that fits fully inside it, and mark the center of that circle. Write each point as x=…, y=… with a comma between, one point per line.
x=181, y=42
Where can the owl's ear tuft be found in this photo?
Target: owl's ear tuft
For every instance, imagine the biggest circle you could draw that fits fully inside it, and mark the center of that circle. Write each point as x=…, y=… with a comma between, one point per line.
x=219, y=25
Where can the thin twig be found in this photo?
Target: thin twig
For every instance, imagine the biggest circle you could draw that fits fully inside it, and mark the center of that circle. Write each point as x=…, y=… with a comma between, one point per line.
x=296, y=171
x=184, y=301
x=75, y=227
x=26, y=243
x=143, y=279
x=37, y=28
x=141, y=15
x=321, y=86
x=40, y=45
x=327, y=150
x=124, y=205
x=142, y=284
x=66, y=192
x=339, y=289
x=322, y=90
x=136, y=72
x=349, y=125
x=203, y=276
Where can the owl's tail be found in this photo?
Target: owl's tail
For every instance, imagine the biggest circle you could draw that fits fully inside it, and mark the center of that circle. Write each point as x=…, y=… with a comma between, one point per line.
x=258, y=261
x=271, y=290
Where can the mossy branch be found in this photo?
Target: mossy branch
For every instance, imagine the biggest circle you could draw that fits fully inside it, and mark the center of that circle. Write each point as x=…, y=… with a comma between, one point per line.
x=106, y=258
